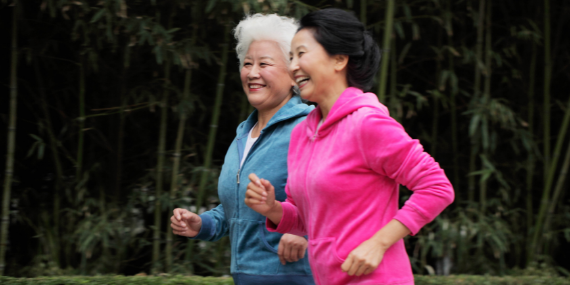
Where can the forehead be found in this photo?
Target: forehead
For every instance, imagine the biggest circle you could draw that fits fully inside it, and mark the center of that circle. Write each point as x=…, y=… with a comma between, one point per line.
x=304, y=37
x=264, y=48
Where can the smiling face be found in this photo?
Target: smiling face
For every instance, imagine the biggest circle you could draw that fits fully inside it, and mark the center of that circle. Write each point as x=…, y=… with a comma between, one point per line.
x=264, y=76
x=314, y=70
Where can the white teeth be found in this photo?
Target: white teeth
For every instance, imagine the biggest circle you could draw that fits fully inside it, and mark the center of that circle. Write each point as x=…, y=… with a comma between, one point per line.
x=255, y=86
x=300, y=79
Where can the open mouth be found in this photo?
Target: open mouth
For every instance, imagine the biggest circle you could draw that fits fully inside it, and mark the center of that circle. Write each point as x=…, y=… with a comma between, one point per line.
x=255, y=87
x=302, y=81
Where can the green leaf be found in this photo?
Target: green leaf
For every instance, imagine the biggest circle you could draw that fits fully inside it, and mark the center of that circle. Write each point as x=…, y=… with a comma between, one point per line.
x=474, y=124
x=399, y=30
x=172, y=30
x=211, y=5
x=485, y=132
x=32, y=149
x=404, y=52
x=41, y=150
x=98, y=16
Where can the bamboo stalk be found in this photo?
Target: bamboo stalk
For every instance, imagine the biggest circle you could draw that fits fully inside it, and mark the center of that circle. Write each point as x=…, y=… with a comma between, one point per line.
x=389, y=18
x=453, y=95
x=487, y=95
x=530, y=159
x=160, y=168
x=557, y=191
x=393, y=77
x=122, y=117
x=81, y=119
x=547, y=80
x=545, y=200
x=174, y=184
x=214, y=120
x=476, y=91
x=435, y=121
x=53, y=142
x=9, y=172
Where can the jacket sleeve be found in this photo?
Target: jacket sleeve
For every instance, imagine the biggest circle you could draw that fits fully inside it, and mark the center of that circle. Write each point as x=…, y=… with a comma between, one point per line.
x=389, y=151
x=291, y=222
x=214, y=225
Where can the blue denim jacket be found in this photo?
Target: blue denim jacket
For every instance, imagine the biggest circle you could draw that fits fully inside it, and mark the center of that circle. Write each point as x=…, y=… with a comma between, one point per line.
x=254, y=257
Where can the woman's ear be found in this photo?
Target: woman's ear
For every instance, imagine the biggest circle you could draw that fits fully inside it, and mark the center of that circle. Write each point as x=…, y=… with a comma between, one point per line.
x=340, y=61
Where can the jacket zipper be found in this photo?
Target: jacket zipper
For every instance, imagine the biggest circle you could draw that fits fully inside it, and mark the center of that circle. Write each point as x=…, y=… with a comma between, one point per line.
x=278, y=121
x=239, y=169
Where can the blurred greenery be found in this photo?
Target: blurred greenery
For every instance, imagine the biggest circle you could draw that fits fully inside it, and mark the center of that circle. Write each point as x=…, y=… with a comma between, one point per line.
x=195, y=280
x=126, y=109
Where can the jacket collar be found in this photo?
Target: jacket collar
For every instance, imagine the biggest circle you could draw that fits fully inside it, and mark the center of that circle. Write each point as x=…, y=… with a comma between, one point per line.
x=292, y=109
x=349, y=101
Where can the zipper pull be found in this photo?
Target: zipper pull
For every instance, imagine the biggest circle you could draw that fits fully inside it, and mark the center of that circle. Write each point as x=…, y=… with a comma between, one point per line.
x=238, y=176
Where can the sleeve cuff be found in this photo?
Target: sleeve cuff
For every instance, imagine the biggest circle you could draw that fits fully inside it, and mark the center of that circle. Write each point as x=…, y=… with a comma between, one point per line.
x=413, y=220
x=286, y=220
x=207, y=230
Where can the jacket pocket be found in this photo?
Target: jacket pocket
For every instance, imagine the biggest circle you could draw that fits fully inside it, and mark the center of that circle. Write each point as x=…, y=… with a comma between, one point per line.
x=271, y=242
x=325, y=261
x=263, y=238
x=252, y=255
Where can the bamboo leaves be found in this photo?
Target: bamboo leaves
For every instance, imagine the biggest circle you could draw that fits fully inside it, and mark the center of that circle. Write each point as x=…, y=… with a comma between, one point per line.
x=460, y=77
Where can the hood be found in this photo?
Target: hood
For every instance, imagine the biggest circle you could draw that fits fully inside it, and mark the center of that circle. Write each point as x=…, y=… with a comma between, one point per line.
x=293, y=109
x=349, y=101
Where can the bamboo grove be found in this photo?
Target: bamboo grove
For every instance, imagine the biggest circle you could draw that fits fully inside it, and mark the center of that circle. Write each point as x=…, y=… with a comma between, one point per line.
x=118, y=111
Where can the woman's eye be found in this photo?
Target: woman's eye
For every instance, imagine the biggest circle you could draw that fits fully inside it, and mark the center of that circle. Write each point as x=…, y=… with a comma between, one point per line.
x=246, y=64
x=300, y=53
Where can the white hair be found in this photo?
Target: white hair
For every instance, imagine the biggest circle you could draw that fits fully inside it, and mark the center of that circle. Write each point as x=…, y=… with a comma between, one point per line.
x=265, y=27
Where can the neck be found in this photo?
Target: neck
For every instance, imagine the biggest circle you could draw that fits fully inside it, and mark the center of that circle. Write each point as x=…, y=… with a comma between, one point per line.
x=330, y=96
x=265, y=115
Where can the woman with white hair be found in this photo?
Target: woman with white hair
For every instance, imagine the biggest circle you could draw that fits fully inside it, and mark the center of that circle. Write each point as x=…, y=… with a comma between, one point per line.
x=261, y=146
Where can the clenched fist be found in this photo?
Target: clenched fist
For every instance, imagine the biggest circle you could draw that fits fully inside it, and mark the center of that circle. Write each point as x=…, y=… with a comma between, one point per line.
x=185, y=223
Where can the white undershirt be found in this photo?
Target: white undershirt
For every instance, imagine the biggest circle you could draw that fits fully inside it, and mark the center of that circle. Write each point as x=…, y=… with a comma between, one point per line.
x=320, y=123
x=248, y=144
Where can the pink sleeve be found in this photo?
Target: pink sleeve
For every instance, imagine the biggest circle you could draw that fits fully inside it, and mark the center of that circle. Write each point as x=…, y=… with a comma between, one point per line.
x=291, y=221
x=390, y=151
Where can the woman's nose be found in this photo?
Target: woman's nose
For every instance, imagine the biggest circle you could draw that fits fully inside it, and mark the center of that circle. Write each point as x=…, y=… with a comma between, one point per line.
x=293, y=66
x=253, y=72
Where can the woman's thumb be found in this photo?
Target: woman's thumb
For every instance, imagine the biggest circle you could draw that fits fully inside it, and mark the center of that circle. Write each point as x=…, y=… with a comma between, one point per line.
x=267, y=185
x=194, y=219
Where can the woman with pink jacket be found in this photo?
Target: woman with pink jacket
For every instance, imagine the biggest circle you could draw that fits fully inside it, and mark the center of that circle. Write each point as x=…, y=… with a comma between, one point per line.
x=346, y=162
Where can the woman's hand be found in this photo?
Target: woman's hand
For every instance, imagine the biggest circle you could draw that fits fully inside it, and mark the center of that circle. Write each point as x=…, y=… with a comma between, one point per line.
x=367, y=256
x=364, y=259
x=291, y=248
x=260, y=195
x=185, y=223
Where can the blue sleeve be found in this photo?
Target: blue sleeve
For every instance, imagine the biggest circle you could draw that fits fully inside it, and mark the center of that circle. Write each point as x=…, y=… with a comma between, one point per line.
x=214, y=225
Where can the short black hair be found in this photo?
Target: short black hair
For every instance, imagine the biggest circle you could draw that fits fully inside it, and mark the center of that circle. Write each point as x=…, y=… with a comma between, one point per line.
x=340, y=32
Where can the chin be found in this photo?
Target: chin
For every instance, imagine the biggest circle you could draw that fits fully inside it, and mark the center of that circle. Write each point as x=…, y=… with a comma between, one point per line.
x=306, y=96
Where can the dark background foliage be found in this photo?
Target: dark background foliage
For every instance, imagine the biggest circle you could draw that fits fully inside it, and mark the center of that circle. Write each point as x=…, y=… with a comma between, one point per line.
x=482, y=84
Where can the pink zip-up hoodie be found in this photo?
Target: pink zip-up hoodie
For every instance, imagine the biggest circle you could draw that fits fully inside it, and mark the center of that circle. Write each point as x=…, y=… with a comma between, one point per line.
x=343, y=187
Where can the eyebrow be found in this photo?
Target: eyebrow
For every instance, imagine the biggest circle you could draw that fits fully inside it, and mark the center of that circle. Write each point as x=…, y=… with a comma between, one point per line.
x=263, y=57
x=297, y=48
